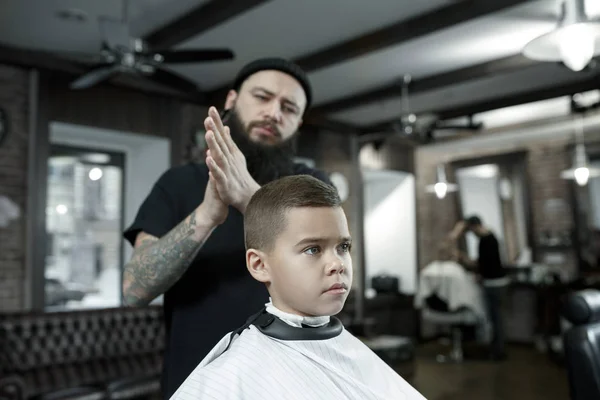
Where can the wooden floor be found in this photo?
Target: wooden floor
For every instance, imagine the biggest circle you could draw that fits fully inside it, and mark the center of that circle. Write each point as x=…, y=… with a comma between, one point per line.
x=526, y=375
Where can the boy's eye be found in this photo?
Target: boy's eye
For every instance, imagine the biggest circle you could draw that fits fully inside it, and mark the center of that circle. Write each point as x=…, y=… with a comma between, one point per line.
x=346, y=246
x=312, y=250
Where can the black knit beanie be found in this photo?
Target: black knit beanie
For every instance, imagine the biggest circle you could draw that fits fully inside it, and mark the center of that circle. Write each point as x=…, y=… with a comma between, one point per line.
x=279, y=64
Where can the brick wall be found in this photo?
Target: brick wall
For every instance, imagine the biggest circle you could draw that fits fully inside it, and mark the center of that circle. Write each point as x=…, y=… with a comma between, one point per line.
x=550, y=196
x=14, y=85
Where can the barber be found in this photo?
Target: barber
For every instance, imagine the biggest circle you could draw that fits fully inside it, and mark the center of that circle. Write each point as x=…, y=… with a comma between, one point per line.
x=188, y=234
x=492, y=275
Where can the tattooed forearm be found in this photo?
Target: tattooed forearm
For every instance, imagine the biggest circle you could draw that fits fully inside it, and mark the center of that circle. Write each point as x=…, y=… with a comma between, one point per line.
x=157, y=264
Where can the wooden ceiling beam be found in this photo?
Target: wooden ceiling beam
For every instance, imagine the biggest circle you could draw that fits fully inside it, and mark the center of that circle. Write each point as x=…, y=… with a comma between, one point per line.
x=38, y=60
x=199, y=20
x=495, y=103
x=434, y=82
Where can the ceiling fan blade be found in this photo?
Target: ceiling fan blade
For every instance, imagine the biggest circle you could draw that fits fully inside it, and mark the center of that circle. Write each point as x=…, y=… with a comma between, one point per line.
x=199, y=55
x=85, y=58
x=172, y=80
x=94, y=76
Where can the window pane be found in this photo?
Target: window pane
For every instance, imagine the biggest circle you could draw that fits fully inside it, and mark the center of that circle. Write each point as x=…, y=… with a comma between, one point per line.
x=84, y=224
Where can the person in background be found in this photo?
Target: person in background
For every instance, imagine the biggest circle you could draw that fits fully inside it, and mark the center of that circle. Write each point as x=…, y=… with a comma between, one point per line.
x=492, y=274
x=188, y=234
x=446, y=286
x=441, y=282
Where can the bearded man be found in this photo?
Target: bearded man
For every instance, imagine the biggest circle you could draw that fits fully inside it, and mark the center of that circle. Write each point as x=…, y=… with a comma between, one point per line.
x=188, y=235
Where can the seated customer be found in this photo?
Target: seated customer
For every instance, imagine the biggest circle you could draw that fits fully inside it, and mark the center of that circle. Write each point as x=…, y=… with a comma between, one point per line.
x=445, y=281
x=298, y=244
x=445, y=286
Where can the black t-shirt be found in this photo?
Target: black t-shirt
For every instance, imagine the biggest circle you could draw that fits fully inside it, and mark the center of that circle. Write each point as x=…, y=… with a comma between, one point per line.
x=216, y=294
x=489, y=263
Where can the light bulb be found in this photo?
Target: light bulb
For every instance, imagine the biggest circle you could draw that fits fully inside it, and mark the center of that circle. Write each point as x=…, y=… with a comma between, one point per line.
x=576, y=44
x=95, y=173
x=440, y=190
x=582, y=174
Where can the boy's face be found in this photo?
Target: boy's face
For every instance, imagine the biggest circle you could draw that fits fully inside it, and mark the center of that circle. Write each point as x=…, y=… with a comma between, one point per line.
x=309, y=257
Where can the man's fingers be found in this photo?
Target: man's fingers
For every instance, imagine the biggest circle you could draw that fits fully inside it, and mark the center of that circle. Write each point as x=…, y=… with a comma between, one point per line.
x=215, y=149
x=218, y=125
x=219, y=136
x=214, y=114
x=208, y=125
x=229, y=141
x=223, y=129
x=216, y=171
x=222, y=133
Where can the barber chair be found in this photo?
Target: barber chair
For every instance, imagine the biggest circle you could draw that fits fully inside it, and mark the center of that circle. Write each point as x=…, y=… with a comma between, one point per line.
x=455, y=321
x=582, y=344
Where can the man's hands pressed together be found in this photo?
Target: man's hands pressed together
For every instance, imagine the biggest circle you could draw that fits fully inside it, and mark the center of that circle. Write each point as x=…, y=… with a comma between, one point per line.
x=213, y=210
x=227, y=165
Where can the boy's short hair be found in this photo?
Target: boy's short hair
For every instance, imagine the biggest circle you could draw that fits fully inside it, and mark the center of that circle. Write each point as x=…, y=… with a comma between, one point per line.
x=265, y=215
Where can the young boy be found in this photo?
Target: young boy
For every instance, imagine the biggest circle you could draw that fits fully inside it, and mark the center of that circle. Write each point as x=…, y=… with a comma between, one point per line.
x=298, y=245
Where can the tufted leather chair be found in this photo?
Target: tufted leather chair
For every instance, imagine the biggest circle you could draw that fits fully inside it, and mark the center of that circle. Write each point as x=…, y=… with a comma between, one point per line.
x=91, y=354
x=582, y=344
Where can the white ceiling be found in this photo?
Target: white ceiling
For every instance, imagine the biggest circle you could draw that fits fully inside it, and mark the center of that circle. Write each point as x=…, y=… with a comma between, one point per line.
x=453, y=48
x=293, y=28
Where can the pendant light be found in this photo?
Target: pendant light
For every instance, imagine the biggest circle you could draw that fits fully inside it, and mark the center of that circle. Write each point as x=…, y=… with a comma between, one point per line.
x=581, y=171
x=574, y=41
x=441, y=187
x=408, y=119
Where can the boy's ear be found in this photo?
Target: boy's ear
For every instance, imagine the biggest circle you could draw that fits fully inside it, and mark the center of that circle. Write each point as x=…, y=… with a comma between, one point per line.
x=255, y=262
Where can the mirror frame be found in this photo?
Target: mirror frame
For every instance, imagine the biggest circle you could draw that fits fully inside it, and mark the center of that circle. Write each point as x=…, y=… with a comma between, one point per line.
x=512, y=158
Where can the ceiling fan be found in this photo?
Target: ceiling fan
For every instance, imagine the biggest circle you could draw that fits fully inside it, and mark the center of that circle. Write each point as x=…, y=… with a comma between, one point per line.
x=409, y=124
x=423, y=126
x=123, y=54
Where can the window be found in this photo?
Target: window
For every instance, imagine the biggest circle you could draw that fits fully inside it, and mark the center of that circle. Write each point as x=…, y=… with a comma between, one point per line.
x=84, y=222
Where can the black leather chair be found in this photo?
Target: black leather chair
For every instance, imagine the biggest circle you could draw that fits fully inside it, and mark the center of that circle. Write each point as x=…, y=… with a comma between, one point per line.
x=582, y=344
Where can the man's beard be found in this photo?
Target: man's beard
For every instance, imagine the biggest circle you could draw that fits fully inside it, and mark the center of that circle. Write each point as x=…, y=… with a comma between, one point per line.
x=265, y=162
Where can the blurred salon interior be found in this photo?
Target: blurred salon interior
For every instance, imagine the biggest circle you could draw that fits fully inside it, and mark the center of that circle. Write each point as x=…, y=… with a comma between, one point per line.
x=463, y=137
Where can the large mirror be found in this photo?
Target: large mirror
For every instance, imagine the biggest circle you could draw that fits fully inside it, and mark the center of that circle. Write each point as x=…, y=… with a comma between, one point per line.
x=496, y=190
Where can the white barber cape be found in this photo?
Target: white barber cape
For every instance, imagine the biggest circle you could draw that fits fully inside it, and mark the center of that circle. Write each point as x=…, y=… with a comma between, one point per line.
x=453, y=284
x=459, y=289
x=260, y=367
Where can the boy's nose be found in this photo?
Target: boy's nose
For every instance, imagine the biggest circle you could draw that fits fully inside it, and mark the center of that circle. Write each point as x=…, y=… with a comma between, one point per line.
x=335, y=267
